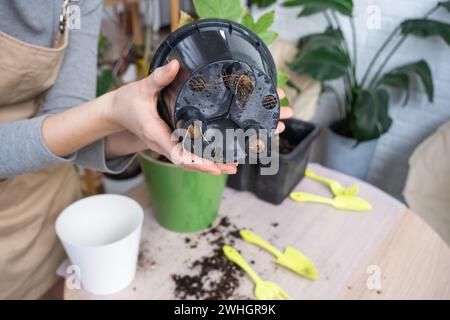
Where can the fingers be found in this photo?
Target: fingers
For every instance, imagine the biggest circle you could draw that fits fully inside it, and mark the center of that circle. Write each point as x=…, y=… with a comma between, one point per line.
x=286, y=112
x=163, y=76
x=280, y=128
x=281, y=93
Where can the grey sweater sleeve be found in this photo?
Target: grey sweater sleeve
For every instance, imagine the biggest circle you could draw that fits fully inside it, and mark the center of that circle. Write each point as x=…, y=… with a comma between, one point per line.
x=22, y=148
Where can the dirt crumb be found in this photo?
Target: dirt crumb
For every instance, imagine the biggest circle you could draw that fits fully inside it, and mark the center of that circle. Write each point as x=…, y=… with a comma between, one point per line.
x=211, y=277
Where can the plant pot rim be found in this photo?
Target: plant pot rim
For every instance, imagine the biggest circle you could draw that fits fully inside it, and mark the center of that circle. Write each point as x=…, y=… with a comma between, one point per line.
x=303, y=144
x=159, y=58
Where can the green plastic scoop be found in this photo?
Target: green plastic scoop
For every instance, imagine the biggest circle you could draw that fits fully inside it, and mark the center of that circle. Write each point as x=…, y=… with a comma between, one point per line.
x=291, y=258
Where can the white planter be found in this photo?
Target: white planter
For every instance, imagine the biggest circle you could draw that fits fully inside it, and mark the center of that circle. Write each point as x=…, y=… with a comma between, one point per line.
x=344, y=155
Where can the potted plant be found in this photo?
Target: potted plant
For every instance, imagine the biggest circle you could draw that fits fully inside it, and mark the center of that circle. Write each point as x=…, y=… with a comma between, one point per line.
x=364, y=115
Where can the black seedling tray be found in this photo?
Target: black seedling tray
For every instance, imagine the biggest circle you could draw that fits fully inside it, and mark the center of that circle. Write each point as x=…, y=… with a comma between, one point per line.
x=274, y=188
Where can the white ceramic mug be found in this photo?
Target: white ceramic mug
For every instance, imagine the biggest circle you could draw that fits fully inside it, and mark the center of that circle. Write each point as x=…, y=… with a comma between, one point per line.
x=101, y=235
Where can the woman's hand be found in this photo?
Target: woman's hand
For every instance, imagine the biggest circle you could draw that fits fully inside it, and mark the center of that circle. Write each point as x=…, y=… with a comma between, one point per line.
x=134, y=109
x=134, y=114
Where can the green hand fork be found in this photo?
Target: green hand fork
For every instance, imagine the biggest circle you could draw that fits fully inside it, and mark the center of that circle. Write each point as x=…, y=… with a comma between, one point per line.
x=264, y=290
x=291, y=258
x=336, y=188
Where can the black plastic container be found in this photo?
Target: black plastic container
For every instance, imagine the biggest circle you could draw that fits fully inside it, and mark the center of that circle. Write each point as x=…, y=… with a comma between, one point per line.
x=274, y=188
x=227, y=80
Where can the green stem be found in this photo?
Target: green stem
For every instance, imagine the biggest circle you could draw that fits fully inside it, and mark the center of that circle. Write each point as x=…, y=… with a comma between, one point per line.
x=388, y=57
x=355, y=55
x=327, y=17
x=383, y=46
x=377, y=54
x=348, y=81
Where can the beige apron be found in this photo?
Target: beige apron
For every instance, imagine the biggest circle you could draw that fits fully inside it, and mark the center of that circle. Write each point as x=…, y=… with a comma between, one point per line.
x=29, y=204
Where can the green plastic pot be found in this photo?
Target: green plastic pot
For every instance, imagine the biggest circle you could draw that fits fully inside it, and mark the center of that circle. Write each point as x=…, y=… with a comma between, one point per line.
x=182, y=201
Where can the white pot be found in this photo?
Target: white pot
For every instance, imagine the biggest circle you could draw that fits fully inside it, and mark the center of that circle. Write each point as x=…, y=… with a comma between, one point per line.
x=345, y=155
x=101, y=235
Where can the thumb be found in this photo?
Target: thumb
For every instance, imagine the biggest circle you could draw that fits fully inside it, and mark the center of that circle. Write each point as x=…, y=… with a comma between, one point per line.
x=163, y=76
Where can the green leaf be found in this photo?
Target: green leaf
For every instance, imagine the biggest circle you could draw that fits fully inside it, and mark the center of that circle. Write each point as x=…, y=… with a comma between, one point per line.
x=284, y=102
x=268, y=37
x=445, y=4
x=310, y=10
x=264, y=22
x=426, y=28
x=369, y=117
x=248, y=21
x=314, y=6
x=263, y=3
x=396, y=77
x=398, y=81
x=222, y=9
x=261, y=26
x=104, y=81
x=323, y=63
x=282, y=78
x=330, y=37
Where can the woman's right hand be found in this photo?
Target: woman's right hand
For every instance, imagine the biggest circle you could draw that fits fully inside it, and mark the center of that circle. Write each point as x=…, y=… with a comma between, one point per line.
x=133, y=108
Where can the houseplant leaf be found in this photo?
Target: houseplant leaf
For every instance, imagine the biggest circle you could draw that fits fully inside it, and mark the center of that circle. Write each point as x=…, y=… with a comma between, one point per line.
x=323, y=63
x=104, y=81
x=282, y=80
x=426, y=28
x=369, y=117
x=314, y=6
x=445, y=4
x=221, y=9
x=396, y=77
x=263, y=3
x=261, y=26
x=330, y=37
x=398, y=81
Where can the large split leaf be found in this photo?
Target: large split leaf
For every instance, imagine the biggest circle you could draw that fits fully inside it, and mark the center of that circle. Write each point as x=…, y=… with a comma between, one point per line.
x=369, y=117
x=330, y=37
x=445, y=4
x=399, y=78
x=426, y=28
x=222, y=9
x=314, y=6
x=263, y=3
x=322, y=63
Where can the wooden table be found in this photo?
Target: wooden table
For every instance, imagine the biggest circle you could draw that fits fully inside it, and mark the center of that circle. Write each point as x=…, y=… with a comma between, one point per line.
x=352, y=250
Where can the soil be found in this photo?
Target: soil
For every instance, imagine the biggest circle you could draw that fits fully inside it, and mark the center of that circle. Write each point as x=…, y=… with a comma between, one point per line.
x=144, y=260
x=241, y=85
x=285, y=146
x=213, y=277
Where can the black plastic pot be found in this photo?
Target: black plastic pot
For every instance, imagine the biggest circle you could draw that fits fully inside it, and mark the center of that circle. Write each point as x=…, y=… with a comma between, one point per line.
x=227, y=80
x=292, y=165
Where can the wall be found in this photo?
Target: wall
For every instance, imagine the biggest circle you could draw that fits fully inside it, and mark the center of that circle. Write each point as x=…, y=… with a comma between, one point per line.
x=412, y=124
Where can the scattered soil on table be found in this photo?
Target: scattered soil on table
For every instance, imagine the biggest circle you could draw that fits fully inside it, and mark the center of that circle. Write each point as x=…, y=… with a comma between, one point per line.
x=275, y=224
x=144, y=260
x=213, y=277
